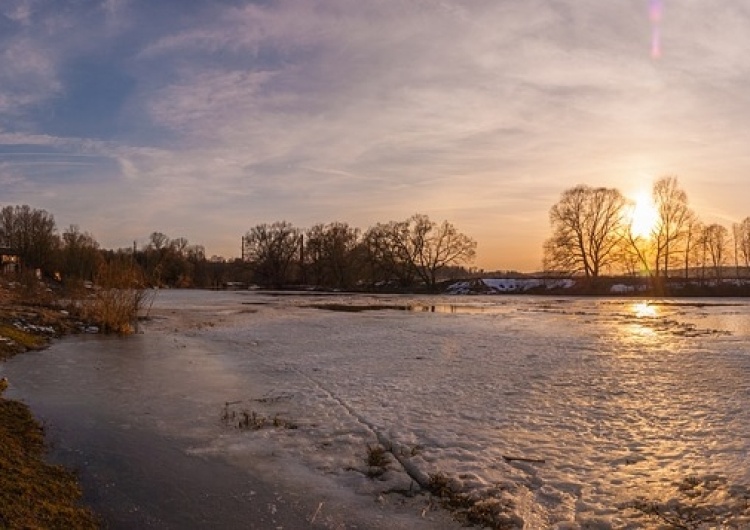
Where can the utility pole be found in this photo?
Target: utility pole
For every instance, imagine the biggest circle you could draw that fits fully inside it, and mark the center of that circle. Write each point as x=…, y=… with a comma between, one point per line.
x=302, y=259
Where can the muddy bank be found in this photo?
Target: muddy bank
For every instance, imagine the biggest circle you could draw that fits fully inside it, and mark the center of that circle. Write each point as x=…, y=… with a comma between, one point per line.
x=33, y=493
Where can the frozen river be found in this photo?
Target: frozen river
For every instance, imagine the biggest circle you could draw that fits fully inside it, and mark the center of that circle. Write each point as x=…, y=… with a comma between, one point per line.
x=242, y=409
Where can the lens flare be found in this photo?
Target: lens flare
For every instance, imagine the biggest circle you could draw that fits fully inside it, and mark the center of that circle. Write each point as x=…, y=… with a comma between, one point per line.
x=655, y=43
x=655, y=12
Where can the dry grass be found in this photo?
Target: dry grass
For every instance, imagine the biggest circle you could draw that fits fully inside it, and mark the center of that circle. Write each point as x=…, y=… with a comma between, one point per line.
x=34, y=494
x=697, y=503
x=18, y=312
x=377, y=461
x=245, y=420
x=119, y=295
x=490, y=511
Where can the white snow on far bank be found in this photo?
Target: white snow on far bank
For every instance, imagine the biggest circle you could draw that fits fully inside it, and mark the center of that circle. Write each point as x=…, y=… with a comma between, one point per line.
x=507, y=285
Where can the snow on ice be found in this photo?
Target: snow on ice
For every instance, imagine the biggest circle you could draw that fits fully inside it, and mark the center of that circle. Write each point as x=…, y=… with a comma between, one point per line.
x=568, y=413
x=535, y=411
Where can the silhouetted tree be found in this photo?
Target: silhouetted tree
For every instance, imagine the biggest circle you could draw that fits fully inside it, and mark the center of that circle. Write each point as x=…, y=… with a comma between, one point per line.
x=416, y=248
x=80, y=257
x=32, y=233
x=330, y=251
x=693, y=231
x=673, y=216
x=273, y=250
x=588, y=226
x=173, y=262
x=386, y=253
x=715, y=239
x=433, y=247
x=743, y=241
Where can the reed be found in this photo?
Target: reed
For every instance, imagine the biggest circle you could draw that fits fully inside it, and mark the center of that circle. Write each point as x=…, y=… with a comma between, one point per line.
x=118, y=296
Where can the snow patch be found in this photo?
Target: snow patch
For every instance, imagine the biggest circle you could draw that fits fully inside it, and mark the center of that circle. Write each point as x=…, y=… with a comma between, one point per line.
x=507, y=285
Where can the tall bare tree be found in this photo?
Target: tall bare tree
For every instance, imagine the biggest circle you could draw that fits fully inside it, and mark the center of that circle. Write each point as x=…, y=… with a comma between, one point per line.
x=716, y=240
x=386, y=259
x=80, y=256
x=32, y=233
x=669, y=231
x=330, y=254
x=416, y=248
x=693, y=231
x=435, y=246
x=743, y=240
x=273, y=251
x=588, y=225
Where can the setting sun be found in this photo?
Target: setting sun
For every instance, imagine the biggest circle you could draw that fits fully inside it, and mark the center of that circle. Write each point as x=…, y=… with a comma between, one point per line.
x=644, y=216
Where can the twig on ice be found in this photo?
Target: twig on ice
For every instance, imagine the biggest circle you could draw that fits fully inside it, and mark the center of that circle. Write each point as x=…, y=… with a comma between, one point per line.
x=316, y=513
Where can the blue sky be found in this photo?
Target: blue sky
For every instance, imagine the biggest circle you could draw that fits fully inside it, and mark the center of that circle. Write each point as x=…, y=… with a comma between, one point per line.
x=201, y=119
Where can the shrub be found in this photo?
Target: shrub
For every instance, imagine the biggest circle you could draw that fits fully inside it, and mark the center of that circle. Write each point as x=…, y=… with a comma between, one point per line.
x=119, y=294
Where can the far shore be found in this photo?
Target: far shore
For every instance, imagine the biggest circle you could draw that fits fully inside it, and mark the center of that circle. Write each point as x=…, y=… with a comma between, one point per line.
x=613, y=286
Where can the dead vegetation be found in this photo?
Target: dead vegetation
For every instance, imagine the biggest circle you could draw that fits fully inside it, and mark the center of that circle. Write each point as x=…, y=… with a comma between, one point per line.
x=28, y=320
x=377, y=461
x=698, y=503
x=490, y=510
x=117, y=298
x=34, y=494
x=245, y=420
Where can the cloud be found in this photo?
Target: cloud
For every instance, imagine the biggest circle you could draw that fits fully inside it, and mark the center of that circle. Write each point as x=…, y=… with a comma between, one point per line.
x=482, y=112
x=28, y=77
x=19, y=11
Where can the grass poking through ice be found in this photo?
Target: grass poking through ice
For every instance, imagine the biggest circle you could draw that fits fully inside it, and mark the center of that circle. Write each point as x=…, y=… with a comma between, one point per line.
x=697, y=503
x=377, y=461
x=245, y=420
x=493, y=512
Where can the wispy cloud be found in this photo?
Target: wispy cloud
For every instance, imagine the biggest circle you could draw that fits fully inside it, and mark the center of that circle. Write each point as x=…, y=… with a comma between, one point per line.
x=481, y=112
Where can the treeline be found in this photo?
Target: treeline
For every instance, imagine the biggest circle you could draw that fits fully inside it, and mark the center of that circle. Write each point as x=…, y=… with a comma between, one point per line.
x=406, y=253
x=595, y=232
x=403, y=253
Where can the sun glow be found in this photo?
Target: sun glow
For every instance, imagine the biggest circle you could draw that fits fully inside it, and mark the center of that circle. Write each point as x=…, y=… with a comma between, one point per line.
x=644, y=310
x=644, y=216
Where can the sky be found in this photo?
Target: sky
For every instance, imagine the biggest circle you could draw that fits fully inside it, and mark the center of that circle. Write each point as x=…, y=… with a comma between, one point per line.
x=203, y=118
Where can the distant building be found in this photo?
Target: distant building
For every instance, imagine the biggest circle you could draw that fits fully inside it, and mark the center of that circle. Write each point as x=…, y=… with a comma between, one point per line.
x=10, y=260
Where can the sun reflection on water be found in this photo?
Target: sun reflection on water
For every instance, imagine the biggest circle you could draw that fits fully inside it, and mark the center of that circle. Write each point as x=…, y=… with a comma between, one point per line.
x=644, y=310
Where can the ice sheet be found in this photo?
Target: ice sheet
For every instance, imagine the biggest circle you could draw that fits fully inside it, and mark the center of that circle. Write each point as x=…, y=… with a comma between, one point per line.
x=563, y=412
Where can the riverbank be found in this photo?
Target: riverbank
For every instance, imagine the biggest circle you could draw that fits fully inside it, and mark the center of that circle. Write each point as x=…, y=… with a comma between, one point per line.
x=33, y=493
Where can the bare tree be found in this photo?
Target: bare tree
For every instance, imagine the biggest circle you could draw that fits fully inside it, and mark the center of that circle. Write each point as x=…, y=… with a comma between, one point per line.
x=693, y=231
x=272, y=251
x=387, y=254
x=31, y=233
x=435, y=247
x=669, y=231
x=417, y=248
x=715, y=238
x=744, y=242
x=179, y=246
x=588, y=226
x=158, y=240
x=80, y=256
x=331, y=252
x=736, y=237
